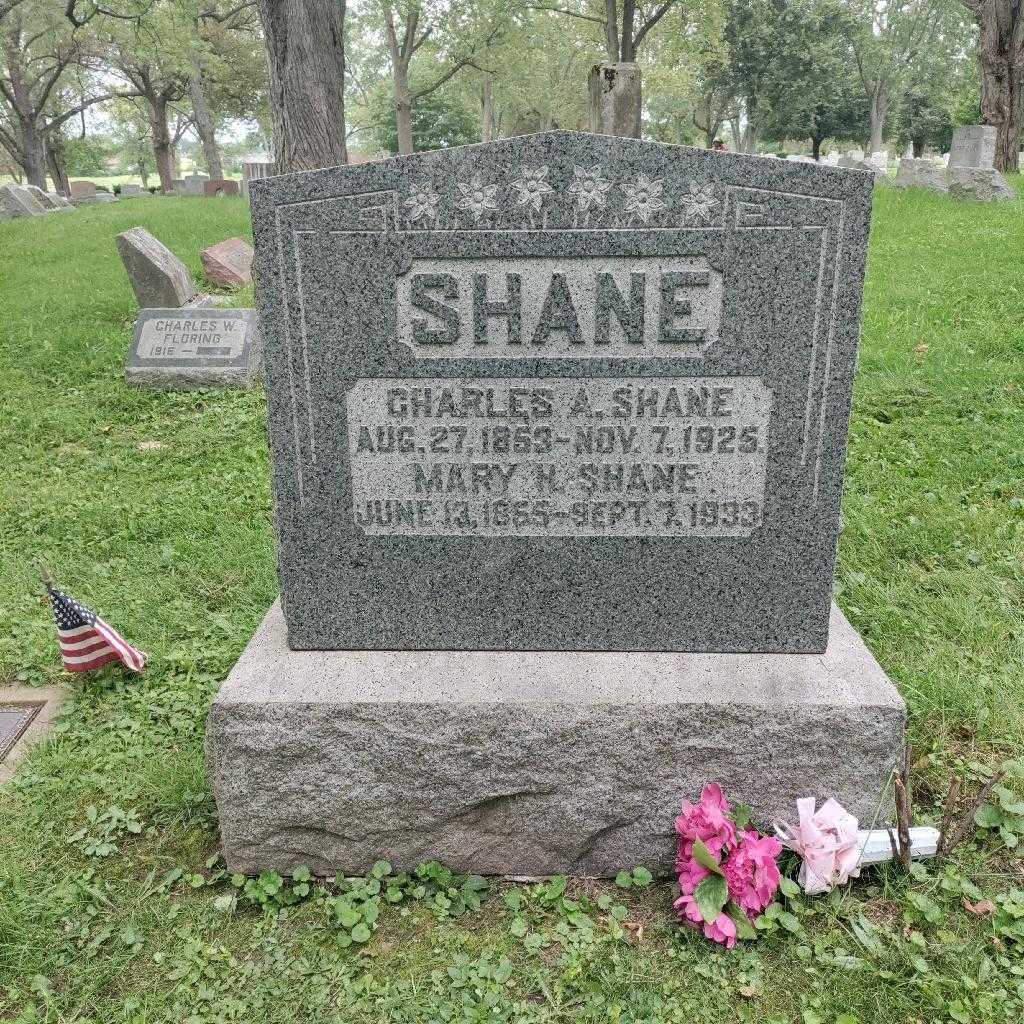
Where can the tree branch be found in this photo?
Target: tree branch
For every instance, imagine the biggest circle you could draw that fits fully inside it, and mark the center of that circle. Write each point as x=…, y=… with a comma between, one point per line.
x=571, y=14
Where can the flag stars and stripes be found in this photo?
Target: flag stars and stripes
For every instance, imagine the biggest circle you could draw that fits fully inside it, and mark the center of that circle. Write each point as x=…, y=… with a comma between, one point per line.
x=86, y=641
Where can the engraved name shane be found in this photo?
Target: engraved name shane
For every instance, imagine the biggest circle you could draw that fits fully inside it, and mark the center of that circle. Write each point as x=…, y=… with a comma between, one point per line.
x=647, y=308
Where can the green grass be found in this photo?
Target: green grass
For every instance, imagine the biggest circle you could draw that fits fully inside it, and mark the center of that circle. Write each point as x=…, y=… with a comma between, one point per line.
x=174, y=543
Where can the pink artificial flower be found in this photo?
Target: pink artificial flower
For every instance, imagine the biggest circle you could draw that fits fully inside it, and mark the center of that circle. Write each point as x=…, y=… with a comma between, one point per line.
x=722, y=930
x=752, y=872
x=708, y=821
x=827, y=842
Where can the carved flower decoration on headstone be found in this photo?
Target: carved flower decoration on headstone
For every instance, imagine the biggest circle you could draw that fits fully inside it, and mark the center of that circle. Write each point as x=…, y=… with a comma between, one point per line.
x=643, y=197
x=533, y=187
x=422, y=201
x=699, y=203
x=589, y=187
x=476, y=196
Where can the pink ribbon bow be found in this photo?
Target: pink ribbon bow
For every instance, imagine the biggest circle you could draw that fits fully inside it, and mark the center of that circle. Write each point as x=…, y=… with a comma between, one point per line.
x=827, y=842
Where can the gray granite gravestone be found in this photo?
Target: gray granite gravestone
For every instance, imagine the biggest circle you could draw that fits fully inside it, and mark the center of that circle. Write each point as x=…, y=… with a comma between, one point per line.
x=605, y=356
x=532, y=406
x=180, y=349
x=974, y=145
x=921, y=173
x=17, y=201
x=159, y=279
x=253, y=170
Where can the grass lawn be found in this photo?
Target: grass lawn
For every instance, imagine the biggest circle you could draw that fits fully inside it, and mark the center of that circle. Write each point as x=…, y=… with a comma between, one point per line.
x=155, y=509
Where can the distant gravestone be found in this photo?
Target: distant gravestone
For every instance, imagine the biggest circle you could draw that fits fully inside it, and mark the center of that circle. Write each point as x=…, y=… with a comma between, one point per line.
x=974, y=145
x=45, y=200
x=17, y=201
x=981, y=183
x=159, y=279
x=193, y=185
x=228, y=264
x=921, y=173
x=221, y=187
x=253, y=170
x=130, y=190
x=558, y=428
x=82, y=189
x=180, y=349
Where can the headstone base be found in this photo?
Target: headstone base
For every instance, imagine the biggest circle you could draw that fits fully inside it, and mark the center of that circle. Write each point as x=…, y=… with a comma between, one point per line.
x=531, y=763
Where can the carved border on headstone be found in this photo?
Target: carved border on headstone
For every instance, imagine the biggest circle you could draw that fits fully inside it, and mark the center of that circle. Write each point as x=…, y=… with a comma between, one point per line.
x=380, y=212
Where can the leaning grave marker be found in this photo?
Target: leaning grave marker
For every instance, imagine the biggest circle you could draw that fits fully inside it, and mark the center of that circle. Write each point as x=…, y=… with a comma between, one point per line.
x=565, y=394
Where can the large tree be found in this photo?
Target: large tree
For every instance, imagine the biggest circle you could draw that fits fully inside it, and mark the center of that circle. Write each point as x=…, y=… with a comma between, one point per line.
x=1001, y=58
x=625, y=26
x=453, y=36
x=305, y=41
x=38, y=52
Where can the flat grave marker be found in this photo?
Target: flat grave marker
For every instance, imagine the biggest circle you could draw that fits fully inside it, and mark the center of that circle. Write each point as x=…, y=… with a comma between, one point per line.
x=180, y=349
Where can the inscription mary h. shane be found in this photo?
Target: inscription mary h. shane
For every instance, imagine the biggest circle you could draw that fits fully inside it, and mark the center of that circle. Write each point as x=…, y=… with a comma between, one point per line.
x=534, y=457
x=580, y=308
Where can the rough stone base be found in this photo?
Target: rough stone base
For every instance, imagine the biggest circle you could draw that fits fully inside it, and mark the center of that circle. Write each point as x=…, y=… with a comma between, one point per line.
x=183, y=378
x=530, y=763
x=979, y=183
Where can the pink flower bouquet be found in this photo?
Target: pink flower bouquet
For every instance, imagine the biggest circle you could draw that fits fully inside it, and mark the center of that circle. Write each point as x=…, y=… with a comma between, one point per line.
x=728, y=872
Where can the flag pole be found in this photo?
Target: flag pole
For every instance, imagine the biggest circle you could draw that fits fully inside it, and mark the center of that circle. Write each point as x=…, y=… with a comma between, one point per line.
x=44, y=572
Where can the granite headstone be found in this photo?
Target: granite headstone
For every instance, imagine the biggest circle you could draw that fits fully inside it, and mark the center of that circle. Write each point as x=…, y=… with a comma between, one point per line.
x=974, y=145
x=17, y=201
x=533, y=406
x=228, y=264
x=180, y=349
x=159, y=279
x=600, y=388
x=253, y=170
x=221, y=187
x=82, y=189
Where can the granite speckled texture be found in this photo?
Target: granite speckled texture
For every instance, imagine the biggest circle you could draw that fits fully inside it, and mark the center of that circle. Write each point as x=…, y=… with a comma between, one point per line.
x=159, y=279
x=981, y=183
x=921, y=174
x=542, y=763
x=973, y=145
x=785, y=242
x=195, y=347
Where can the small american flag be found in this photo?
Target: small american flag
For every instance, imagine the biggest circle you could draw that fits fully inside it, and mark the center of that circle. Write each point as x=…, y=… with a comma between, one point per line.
x=86, y=641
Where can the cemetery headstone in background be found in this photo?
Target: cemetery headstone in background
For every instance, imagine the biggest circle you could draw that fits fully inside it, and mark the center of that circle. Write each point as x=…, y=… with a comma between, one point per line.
x=253, y=170
x=193, y=185
x=921, y=173
x=547, y=417
x=47, y=201
x=82, y=189
x=974, y=145
x=228, y=264
x=177, y=349
x=221, y=187
x=971, y=170
x=17, y=201
x=130, y=190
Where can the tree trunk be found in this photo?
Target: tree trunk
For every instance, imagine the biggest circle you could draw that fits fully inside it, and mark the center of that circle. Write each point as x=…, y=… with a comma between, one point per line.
x=403, y=110
x=487, y=111
x=58, y=163
x=816, y=148
x=918, y=148
x=163, y=150
x=1001, y=59
x=615, y=100
x=143, y=173
x=33, y=155
x=879, y=108
x=306, y=58
x=203, y=119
